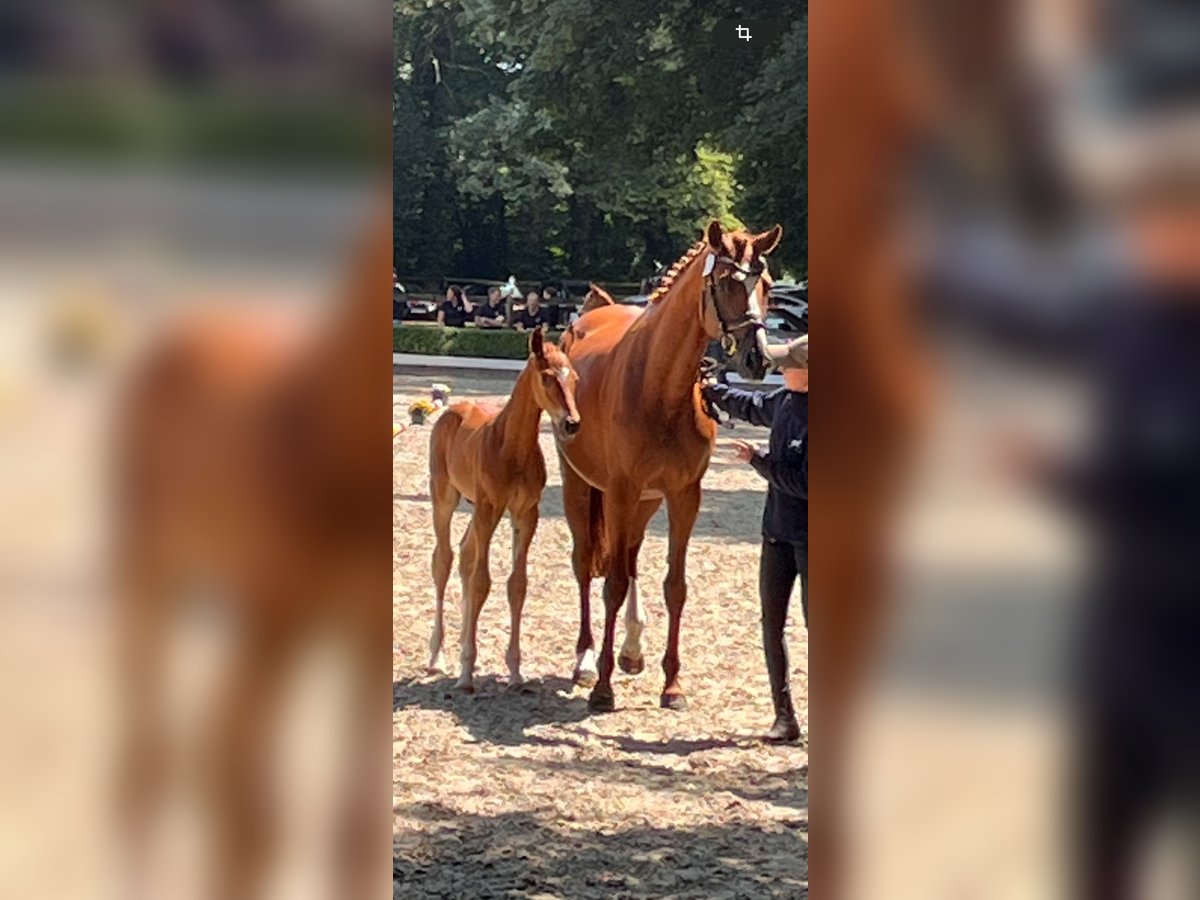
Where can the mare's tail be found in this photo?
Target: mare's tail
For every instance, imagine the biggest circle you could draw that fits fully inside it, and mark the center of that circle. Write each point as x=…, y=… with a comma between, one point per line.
x=596, y=533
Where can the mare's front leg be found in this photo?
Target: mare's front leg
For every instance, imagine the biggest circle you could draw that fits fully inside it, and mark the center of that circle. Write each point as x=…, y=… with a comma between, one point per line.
x=682, y=509
x=476, y=583
x=620, y=507
x=524, y=524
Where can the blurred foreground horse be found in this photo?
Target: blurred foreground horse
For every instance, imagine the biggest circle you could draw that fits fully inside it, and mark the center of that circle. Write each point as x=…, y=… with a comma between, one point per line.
x=250, y=463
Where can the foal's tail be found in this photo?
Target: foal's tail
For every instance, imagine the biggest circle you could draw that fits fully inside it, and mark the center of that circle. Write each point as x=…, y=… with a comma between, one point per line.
x=596, y=533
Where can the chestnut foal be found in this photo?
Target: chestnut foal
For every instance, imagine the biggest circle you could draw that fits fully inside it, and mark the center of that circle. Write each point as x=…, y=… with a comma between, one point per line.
x=491, y=456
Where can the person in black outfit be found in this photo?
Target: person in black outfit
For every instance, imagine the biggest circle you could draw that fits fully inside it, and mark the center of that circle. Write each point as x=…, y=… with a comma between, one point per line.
x=453, y=312
x=490, y=314
x=533, y=316
x=785, y=516
x=1134, y=331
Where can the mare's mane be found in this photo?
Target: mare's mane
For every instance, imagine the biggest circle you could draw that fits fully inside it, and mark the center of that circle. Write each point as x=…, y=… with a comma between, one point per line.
x=672, y=273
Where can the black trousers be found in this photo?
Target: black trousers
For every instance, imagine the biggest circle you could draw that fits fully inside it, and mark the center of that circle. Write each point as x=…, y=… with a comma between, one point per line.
x=1137, y=733
x=782, y=564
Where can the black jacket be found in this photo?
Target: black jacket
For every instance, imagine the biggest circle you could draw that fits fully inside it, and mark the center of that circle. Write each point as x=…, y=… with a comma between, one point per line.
x=785, y=466
x=1137, y=482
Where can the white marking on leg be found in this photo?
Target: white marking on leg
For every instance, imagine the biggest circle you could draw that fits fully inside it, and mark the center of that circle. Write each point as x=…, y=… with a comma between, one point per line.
x=635, y=621
x=466, y=656
x=585, y=663
x=437, y=662
x=513, y=657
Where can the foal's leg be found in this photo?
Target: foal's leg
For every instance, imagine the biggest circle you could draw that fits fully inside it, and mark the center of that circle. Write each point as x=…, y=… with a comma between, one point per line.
x=620, y=508
x=359, y=816
x=631, y=659
x=682, y=509
x=143, y=756
x=524, y=525
x=445, y=501
x=577, y=500
x=477, y=582
x=245, y=825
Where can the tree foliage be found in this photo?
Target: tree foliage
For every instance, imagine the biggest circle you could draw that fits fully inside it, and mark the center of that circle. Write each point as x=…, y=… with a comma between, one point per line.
x=568, y=137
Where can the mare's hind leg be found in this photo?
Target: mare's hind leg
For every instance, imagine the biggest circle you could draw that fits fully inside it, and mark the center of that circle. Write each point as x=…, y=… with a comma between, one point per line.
x=445, y=501
x=682, y=509
x=620, y=508
x=524, y=525
x=577, y=500
x=631, y=659
x=477, y=582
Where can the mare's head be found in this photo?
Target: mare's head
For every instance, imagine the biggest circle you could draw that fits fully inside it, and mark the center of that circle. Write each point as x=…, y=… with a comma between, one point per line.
x=554, y=384
x=736, y=286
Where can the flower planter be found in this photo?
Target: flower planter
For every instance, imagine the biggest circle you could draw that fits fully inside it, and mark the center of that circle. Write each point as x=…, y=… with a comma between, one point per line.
x=418, y=417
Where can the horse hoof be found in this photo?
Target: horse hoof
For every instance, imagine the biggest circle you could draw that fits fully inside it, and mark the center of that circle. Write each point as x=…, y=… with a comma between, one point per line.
x=677, y=702
x=584, y=678
x=467, y=687
x=631, y=666
x=601, y=701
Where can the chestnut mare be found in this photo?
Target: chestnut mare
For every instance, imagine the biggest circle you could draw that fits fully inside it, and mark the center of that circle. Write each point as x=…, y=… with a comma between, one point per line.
x=645, y=436
x=491, y=456
x=252, y=458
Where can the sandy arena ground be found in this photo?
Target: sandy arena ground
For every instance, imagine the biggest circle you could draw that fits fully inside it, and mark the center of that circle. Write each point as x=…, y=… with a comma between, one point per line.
x=522, y=793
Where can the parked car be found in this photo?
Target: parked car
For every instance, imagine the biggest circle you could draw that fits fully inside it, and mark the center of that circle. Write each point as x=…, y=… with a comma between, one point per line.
x=399, y=301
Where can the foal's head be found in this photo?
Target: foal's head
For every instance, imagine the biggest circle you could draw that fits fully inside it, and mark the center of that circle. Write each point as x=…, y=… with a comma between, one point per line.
x=554, y=384
x=736, y=286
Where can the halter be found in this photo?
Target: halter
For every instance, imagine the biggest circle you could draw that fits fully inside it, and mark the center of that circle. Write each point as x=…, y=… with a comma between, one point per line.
x=751, y=318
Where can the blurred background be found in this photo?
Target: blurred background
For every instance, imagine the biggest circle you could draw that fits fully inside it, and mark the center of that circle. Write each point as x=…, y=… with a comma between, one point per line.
x=1006, y=222
x=157, y=161
x=592, y=141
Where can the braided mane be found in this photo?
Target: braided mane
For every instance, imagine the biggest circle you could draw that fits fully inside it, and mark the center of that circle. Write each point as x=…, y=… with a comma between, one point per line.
x=672, y=273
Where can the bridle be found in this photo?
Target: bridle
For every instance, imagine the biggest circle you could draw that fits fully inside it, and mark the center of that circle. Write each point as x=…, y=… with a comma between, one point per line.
x=751, y=318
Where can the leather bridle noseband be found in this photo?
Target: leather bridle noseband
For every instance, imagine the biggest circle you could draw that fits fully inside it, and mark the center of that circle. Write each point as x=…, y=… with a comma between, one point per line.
x=751, y=318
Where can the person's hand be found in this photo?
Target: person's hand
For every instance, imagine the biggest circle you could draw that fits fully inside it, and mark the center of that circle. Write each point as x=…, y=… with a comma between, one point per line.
x=744, y=451
x=1015, y=456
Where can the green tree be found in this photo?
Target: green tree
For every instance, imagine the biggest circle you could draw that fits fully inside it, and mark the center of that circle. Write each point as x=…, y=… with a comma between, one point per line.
x=569, y=137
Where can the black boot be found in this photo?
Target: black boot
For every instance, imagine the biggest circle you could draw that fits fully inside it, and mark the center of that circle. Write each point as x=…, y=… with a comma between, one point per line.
x=777, y=574
x=786, y=728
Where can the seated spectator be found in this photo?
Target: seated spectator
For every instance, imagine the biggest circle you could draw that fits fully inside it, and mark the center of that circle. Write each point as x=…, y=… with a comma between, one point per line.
x=533, y=316
x=491, y=313
x=453, y=311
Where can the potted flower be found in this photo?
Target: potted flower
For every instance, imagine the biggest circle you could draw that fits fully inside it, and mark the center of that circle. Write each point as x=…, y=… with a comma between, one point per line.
x=420, y=411
x=440, y=394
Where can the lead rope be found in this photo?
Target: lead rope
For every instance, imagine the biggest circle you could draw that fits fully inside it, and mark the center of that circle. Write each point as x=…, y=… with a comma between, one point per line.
x=711, y=369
